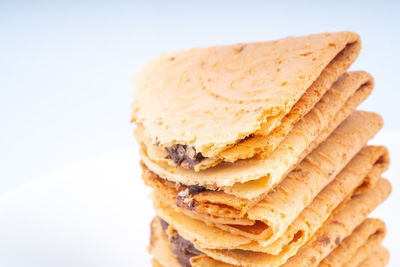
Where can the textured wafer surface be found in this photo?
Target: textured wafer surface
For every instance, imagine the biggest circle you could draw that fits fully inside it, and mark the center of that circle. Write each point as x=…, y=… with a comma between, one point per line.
x=349, y=252
x=363, y=243
x=252, y=177
x=350, y=90
x=357, y=131
x=378, y=258
x=266, y=143
x=353, y=250
x=340, y=226
x=330, y=200
x=235, y=89
x=160, y=249
x=301, y=228
x=359, y=175
x=301, y=186
x=218, y=203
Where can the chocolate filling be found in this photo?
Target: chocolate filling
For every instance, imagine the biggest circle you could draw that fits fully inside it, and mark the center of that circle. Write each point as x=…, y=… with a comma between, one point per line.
x=164, y=225
x=183, y=249
x=184, y=202
x=196, y=189
x=184, y=198
x=184, y=156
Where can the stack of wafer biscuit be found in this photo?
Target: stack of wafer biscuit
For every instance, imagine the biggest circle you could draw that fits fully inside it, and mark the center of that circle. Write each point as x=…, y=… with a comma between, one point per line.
x=257, y=156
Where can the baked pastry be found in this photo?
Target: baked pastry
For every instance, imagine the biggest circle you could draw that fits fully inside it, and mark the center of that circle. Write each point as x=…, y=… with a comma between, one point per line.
x=330, y=235
x=256, y=155
x=196, y=105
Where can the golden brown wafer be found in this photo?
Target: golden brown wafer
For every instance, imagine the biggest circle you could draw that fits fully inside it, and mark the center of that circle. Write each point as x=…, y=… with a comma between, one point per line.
x=333, y=195
x=284, y=204
x=160, y=249
x=210, y=198
x=378, y=258
x=341, y=225
x=243, y=189
x=317, y=92
x=270, y=234
x=247, y=87
x=313, y=216
x=354, y=249
x=268, y=143
x=275, y=166
x=362, y=172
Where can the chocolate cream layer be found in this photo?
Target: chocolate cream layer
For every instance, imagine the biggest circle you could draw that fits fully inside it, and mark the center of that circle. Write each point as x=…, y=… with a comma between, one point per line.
x=182, y=249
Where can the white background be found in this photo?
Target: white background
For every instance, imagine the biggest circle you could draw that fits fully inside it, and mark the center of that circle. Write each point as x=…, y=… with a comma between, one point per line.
x=70, y=188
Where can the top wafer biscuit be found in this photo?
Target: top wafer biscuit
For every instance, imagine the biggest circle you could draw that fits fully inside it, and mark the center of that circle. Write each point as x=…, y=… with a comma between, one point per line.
x=209, y=99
